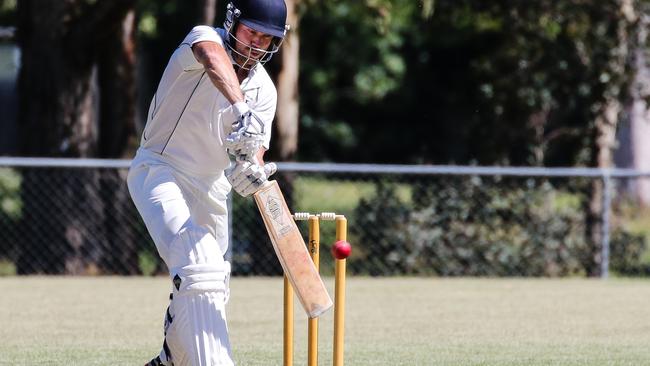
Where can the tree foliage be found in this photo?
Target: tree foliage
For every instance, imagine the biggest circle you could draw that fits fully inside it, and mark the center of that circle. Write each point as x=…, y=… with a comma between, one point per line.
x=464, y=81
x=476, y=82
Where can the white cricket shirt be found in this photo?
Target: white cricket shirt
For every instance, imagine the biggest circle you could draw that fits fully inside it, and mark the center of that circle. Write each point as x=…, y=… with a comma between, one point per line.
x=188, y=115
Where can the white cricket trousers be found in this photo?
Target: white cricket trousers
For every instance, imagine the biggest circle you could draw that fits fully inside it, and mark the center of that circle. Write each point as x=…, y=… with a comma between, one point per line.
x=187, y=217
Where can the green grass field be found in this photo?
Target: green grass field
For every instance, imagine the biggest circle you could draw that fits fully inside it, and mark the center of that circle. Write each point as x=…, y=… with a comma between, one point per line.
x=390, y=321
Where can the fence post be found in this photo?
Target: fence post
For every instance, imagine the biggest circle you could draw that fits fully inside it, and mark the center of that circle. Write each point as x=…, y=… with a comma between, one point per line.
x=607, y=202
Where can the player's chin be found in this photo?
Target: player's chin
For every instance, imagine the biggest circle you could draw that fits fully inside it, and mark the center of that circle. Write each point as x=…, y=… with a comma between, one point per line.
x=250, y=62
x=247, y=62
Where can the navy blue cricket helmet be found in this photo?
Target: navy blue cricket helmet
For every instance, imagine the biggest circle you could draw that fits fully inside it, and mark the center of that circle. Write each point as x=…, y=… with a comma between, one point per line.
x=266, y=16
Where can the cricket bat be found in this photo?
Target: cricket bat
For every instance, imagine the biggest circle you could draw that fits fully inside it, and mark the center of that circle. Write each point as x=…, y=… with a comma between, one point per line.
x=291, y=250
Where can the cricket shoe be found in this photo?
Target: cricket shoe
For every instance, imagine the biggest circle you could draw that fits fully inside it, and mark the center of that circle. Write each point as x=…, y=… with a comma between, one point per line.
x=155, y=362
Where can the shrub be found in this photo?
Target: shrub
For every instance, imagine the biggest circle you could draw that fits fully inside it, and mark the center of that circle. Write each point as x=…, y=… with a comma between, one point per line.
x=461, y=226
x=626, y=251
x=10, y=213
x=380, y=226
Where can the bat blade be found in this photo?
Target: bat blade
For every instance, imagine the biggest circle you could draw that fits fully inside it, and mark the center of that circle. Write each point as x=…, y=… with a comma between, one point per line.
x=291, y=250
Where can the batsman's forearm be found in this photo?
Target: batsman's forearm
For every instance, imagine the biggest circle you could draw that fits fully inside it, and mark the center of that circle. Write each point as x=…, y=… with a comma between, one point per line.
x=219, y=69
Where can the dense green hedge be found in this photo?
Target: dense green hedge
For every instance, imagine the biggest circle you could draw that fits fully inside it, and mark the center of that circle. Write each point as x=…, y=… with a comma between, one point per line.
x=10, y=213
x=482, y=227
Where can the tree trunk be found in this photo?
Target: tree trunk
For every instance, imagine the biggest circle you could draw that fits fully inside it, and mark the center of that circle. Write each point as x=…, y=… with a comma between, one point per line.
x=640, y=133
x=63, y=216
x=285, y=142
x=603, y=141
x=207, y=11
x=604, y=137
x=634, y=151
x=55, y=111
x=116, y=69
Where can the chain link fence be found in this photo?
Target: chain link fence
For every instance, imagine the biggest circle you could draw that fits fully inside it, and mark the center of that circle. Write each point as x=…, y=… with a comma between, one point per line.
x=62, y=216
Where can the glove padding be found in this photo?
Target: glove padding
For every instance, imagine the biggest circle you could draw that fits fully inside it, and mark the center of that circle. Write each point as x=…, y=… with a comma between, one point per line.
x=246, y=177
x=247, y=136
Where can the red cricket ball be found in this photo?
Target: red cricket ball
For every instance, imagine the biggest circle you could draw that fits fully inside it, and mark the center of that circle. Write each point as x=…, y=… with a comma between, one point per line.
x=341, y=249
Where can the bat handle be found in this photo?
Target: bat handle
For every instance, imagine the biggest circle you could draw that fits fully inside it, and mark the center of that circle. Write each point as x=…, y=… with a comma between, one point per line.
x=270, y=169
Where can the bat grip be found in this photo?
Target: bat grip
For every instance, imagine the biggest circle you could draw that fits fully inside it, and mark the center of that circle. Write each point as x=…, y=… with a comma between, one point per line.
x=270, y=169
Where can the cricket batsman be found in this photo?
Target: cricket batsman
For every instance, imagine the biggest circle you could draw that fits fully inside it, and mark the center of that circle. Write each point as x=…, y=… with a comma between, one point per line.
x=215, y=103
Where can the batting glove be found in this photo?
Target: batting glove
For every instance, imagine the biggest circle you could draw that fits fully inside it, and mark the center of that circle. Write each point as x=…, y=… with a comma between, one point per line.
x=247, y=136
x=246, y=177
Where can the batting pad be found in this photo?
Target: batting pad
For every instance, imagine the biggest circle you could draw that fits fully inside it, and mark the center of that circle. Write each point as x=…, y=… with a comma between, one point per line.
x=198, y=334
